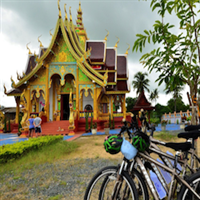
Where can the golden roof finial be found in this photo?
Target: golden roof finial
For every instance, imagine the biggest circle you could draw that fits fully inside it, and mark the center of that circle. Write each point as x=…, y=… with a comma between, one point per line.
x=106, y=35
x=65, y=11
x=40, y=41
x=117, y=42
x=59, y=9
x=18, y=77
x=79, y=9
x=13, y=82
x=5, y=91
x=51, y=33
x=70, y=13
x=28, y=49
x=127, y=49
x=36, y=57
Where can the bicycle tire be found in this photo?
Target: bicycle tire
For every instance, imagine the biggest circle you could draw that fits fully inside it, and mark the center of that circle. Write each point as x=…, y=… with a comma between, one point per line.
x=138, y=181
x=95, y=185
x=194, y=182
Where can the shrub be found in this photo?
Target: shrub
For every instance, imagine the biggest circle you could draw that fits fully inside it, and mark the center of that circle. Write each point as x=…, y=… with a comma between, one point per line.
x=94, y=125
x=164, y=122
x=13, y=151
x=154, y=120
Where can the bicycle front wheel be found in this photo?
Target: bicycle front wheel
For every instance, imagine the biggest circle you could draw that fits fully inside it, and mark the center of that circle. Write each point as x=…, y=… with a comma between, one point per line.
x=194, y=182
x=119, y=189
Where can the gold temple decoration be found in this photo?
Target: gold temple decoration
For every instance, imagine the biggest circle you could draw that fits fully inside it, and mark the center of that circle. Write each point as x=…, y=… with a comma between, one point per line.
x=40, y=41
x=105, y=77
x=36, y=57
x=81, y=94
x=13, y=82
x=23, y=74
x=18, y=77
x=86, y=55
x=66, y=18
x=79, y=9
x=117, y=42
x=59, y=9
x=25, y=111
x=51, y=33
x=70, y=13
x=28, y=49
x=127, y=49
x=106, y=35
x=5, y=91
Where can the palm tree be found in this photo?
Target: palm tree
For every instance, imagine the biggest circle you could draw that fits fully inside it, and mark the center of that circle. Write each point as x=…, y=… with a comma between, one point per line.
x=154, y=95
x=140, y=83
x=176, y=93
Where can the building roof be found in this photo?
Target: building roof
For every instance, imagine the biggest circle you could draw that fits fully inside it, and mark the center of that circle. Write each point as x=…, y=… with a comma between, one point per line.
x=142, y=103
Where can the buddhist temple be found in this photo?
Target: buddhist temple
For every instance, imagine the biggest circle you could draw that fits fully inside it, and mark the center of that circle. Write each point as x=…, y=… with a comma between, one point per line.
x=72, y=76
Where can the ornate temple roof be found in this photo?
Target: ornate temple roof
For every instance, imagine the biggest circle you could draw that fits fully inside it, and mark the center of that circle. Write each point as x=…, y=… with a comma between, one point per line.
x=98, y=51
x=94, y=53
x=142, y=103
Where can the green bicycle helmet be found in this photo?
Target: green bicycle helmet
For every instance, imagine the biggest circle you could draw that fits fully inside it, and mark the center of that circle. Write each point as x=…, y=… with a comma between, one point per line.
x=141, y=141
x=112, y=144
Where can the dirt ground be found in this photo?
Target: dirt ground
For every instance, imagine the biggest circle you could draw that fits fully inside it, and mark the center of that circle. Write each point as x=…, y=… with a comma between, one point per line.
x=92, y=147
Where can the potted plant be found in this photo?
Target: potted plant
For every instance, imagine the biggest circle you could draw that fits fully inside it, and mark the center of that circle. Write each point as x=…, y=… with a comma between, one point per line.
x=163, y=125
x=106, y=128
x=188, y=119
x=94, y=128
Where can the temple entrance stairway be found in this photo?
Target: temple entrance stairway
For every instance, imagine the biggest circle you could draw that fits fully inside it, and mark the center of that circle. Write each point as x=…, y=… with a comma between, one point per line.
x=55, y=127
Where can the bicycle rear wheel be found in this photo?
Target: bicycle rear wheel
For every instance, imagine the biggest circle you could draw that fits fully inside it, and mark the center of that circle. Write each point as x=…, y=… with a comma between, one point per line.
x=119, y=190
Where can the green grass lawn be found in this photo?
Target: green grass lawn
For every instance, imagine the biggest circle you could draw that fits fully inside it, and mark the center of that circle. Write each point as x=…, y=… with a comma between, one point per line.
x=51, y=153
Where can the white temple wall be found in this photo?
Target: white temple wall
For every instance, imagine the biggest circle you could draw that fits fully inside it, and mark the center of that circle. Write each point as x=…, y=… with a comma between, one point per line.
x=87, y=100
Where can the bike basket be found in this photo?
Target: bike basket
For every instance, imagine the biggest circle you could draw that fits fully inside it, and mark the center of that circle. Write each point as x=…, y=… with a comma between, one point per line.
x=128, y=150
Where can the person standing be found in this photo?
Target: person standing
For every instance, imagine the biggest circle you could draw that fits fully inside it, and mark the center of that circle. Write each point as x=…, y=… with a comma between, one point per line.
x=37, y=123
x=31, y=126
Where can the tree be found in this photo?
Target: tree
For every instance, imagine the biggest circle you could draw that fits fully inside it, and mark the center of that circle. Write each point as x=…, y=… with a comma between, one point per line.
x=177, y=58
x=154, y=95
x=180, y=106
x=141, y=83
x=130, y=102
x=176, y=93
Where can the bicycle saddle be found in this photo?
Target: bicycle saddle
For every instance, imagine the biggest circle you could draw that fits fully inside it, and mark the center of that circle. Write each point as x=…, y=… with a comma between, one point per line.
x=190, y=134
x=183, y=146
x=192, y=127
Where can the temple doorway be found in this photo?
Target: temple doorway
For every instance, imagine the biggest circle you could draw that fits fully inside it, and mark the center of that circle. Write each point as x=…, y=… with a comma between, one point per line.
x=65, y=107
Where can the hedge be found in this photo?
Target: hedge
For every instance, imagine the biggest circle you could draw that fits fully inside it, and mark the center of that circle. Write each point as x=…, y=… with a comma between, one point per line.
x=13, y=151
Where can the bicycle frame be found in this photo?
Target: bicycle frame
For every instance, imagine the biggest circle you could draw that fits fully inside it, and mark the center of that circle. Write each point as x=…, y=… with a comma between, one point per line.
x=175, y=176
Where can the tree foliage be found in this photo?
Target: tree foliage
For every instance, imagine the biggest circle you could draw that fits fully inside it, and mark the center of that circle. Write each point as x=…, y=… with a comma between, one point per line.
x=177, y=59
x=130, y=102
x=140, y=82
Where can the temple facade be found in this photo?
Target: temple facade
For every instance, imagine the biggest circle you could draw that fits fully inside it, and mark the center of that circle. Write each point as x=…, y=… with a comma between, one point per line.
x=71, y=76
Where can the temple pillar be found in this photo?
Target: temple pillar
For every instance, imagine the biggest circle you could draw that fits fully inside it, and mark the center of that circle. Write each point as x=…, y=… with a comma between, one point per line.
x=54, y=95
x=47, y=92
x=77, y=93
x=17, y=100
x=124, y=107
x=29, y=101
x=111, y=107
x=95, y=104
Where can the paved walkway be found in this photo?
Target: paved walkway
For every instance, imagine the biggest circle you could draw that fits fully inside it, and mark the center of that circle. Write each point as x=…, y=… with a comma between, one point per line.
x=10, y=138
